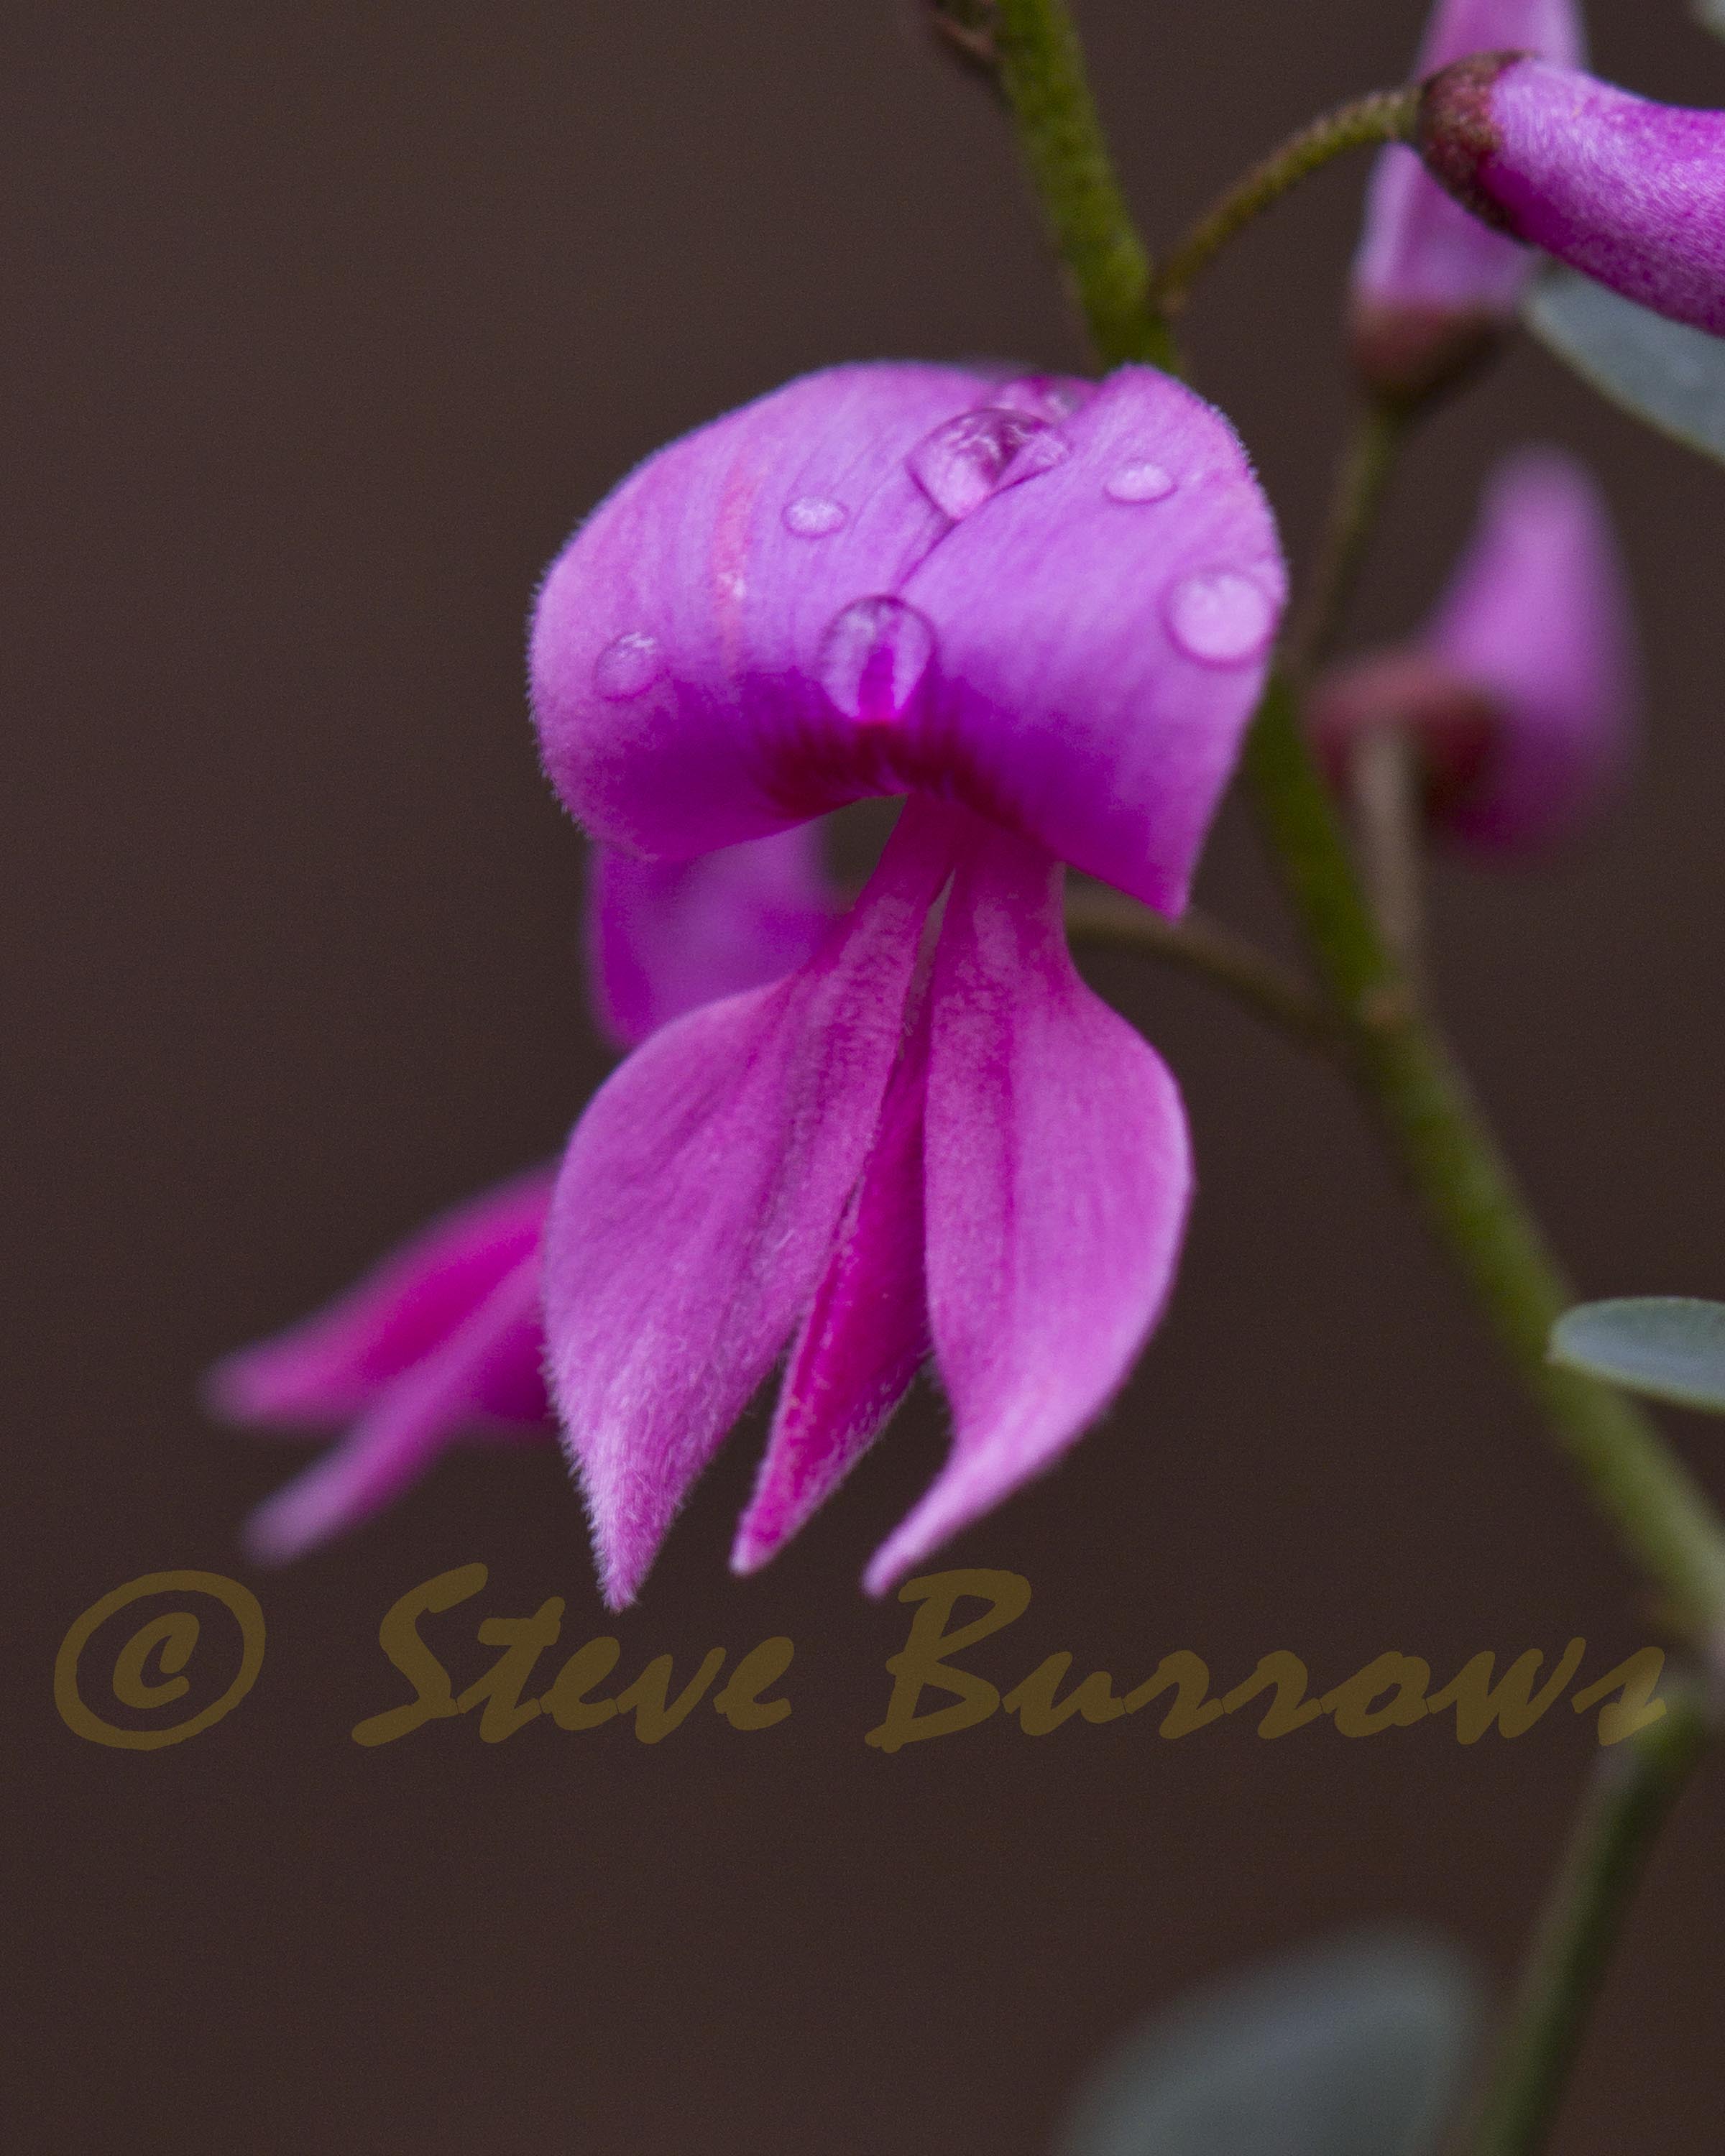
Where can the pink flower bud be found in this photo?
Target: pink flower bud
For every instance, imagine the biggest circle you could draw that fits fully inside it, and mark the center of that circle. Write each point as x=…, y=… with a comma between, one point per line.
x=1432, y=288
x=1519, y=690
x=1631, y=192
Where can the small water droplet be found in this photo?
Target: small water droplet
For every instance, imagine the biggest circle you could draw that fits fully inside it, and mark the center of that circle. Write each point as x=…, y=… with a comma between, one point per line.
x=960, y=464
x=1142, y=481
x=628, y=665
x=873, y=658
x=814, y=515
x=1220, y=618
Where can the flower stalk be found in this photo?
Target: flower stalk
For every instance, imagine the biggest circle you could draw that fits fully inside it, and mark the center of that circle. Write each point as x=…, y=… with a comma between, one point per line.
x=1419, y=1095
x=1272, y=992
x=1384, y=116
x=1042, y=72
x=1633, y=1789
x=1464, y=1186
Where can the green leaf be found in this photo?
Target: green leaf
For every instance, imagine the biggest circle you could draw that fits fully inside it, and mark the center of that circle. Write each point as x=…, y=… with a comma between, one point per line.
x=1670, y=376
x=1670, y=1346
x=1711, y=15
x=1357, y=2049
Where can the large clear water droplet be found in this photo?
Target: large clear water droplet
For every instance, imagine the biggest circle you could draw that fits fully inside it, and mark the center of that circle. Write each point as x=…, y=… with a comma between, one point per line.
x=873, y=658
x=628, y=665
x=960, y=464
x=1140, y=481
x=1220, y=618
x=814, y=516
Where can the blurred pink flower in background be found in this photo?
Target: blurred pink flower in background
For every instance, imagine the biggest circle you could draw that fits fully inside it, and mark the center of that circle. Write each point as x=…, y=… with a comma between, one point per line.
x=1520, y=692
x=444, y=1339
x=1431, y=285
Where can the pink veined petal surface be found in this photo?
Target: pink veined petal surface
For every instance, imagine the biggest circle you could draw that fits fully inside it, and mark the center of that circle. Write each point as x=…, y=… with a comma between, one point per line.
x=1537, y=618
x=1626, y=190
x=665, y=936
x=867, y=1333
x=775, y=616
x=1057, y=1181
x=487, y=1373
x=331, y=1366
x=1420, y=248
x=698, y=1202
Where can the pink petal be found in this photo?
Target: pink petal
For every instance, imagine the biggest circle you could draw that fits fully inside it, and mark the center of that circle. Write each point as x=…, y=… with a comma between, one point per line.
x=1059, y=1173
x=881, y=580
x=330, y=1366
x=867, y=1333
x=693, y=557
x=1537, y=619
x=486, y=1372
x=665, y=936
x=697, y=1205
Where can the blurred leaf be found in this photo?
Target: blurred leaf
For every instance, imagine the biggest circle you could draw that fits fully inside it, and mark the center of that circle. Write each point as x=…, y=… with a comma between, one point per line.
x=1670, y=1347
x=1711, y=15
x=1357, y=2050
x=1667, y=374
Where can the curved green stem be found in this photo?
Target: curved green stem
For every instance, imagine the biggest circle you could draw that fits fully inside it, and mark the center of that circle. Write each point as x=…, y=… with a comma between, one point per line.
x=1633, y=1791
x=1386, y=115
x=1042, y=72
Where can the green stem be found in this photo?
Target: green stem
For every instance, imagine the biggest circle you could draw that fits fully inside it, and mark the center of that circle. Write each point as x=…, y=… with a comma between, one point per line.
x=1465, y=1188
x=1634, y=1789
x=1271, y=991
x=1042, y=72
x=1386, y=115
x=1405, y=1070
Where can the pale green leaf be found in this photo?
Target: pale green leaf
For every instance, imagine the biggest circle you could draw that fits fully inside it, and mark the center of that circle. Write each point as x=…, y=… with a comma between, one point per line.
x=1670, y=376
x=1359, y=2049
x=1670, y=1346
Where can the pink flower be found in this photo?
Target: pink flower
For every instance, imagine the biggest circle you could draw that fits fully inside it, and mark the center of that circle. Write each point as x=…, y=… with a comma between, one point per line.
x=1043, y=613
x=1432, y=287
x=445, y=1339
x=1631, y=192
x=1520, y=690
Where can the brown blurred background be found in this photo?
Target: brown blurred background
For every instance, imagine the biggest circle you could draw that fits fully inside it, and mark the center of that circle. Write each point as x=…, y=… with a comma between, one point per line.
x=323, y=324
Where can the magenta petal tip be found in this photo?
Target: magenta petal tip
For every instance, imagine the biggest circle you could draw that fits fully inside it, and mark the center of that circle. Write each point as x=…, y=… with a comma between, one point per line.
x=1628, y=192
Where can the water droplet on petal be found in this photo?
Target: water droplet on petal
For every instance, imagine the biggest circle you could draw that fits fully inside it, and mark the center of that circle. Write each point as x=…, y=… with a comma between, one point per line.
x=628, y=665
x=873, y=658
x=960, y=464
x=1220, y=618
x=1140, y=482
x=814, y=515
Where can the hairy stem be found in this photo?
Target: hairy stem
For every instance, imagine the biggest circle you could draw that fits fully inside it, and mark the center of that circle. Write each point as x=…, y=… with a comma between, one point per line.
x=1386, y=115
x=1633, y=1789
x=1042, y=72
x=1271, y=991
